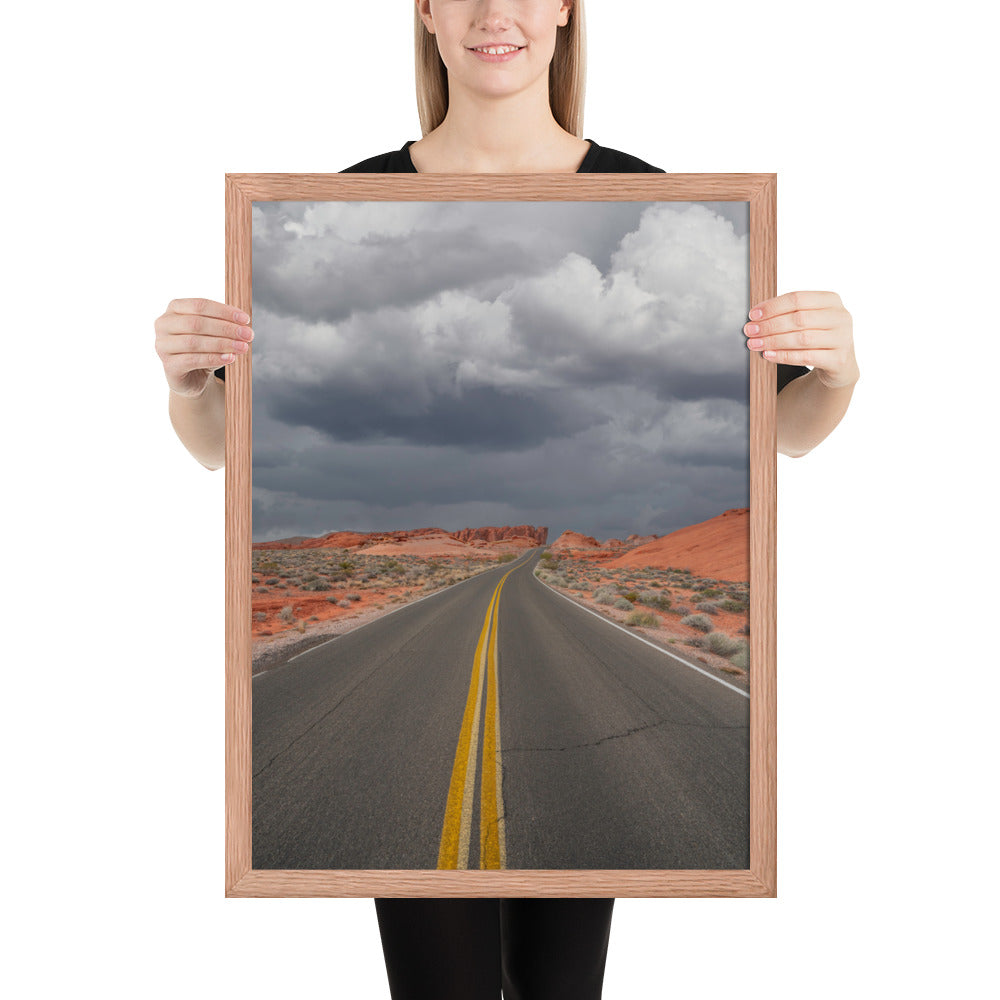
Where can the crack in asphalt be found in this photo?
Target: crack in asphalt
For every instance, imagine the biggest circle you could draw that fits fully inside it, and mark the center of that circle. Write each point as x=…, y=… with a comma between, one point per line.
x=624, y=735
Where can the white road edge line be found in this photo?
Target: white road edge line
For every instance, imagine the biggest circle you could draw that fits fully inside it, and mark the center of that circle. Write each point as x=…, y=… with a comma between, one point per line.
x=652, y=645
x=380, y=618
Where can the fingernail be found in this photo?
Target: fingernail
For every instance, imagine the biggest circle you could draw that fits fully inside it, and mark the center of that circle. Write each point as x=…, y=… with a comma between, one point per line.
x=240, y=317
x=246, y=333
x=770, y=354
x=227, y=358
x=752, y=328
x=755, y=345
x=756, y=313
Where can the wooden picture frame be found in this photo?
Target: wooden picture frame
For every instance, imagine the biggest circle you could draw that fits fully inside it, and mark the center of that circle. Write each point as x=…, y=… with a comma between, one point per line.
x=759, y=879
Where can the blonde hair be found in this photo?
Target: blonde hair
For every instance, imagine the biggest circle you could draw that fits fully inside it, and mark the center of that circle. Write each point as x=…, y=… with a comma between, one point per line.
x=567, y=75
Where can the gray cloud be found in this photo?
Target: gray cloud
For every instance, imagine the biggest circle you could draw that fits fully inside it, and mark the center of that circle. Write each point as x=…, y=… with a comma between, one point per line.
x=443, y=363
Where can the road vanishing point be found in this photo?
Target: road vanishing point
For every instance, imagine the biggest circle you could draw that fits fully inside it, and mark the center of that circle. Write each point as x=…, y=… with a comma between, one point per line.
x=497, y=725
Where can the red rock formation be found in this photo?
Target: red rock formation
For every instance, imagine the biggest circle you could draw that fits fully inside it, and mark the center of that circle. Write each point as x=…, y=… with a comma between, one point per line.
x=634, y=540
x=573, y=540
x=504, y=534
x=524, y=535
x=719, y=547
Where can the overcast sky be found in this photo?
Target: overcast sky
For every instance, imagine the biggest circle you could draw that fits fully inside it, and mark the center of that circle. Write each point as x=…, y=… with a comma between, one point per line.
x=455, y=364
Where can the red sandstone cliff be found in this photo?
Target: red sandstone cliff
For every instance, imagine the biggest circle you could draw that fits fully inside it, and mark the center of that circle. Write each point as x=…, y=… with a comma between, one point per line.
x=525, y=535
x=719, y=547
x=505, y=534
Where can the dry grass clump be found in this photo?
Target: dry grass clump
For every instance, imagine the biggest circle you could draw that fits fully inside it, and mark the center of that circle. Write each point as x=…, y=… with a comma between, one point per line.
x=720, y=644
x=701, y=622
x=642, y=618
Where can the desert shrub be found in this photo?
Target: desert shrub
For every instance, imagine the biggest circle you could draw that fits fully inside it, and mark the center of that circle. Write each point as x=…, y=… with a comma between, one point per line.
x=682, y=609
x=720, y=644
x=286, y=614
x=622, y=604
x=255, y=579
x=709, y=607
x=700, y=622
x=260, y=616
x=632, y=596
x=606, y=595
x=732, y=605
x=271, y=581
x=506, y=557
x=709, y=592
x=343, y=604
x=557, y=579
x=317, y=585
x=653, y=599
x=741, y=658
x=696, y=640
x=333, y=600
x=354, y=597
x=642, y=618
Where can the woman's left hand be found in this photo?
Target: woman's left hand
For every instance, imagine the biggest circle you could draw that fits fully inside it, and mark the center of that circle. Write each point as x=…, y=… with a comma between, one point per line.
x=806, y=328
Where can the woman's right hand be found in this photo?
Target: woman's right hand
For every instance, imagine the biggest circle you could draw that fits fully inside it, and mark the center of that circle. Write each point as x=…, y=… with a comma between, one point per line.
x=196, y=336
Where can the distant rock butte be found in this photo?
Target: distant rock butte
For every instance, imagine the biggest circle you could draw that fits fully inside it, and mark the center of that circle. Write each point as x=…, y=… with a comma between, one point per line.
x=537, y=536
x=719, y=547
x=573, y=541
x=419, y=540
x=570, y=540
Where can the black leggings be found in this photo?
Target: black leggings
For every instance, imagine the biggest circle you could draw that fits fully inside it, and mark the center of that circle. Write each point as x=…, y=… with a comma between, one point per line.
x=466, y=949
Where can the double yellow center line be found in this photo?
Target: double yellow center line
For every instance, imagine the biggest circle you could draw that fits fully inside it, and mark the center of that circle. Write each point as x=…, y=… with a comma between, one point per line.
x=457, y=830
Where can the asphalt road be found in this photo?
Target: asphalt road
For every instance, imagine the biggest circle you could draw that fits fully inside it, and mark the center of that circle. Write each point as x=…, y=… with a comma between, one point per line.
x=496, y=724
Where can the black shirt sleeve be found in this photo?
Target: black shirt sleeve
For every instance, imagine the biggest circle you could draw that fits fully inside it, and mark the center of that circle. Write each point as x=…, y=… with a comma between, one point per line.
x=787, y=373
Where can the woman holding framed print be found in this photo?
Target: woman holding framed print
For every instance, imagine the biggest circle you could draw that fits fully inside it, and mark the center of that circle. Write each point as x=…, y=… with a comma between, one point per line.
x=500, y=90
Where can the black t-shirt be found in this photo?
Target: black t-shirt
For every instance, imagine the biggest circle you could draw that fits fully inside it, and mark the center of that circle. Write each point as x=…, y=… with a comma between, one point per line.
x=599, y=160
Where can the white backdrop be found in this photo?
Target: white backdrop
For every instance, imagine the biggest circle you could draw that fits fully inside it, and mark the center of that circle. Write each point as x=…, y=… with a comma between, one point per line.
x=123, y=119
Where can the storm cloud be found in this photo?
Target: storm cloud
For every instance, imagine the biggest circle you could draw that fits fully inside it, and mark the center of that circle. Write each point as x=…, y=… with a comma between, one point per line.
x=579, y=365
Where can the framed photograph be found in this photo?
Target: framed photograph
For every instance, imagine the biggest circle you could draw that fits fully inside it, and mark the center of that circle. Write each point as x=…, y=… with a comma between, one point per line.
x=500, y=536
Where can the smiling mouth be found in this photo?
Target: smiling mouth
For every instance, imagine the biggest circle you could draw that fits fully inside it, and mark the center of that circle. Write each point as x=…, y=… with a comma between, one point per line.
x=496, y=50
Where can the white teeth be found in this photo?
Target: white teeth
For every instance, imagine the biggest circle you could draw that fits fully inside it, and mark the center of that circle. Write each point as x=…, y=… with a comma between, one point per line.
x=498, y=50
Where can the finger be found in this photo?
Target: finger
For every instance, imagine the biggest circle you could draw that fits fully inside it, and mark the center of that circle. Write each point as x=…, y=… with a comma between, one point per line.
x=181, y=364
x=799, y=319
x=792, y=301
x=814, y=358
x=208, y=307
x=181, y=324
x=172, y=347
x=800, y=340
